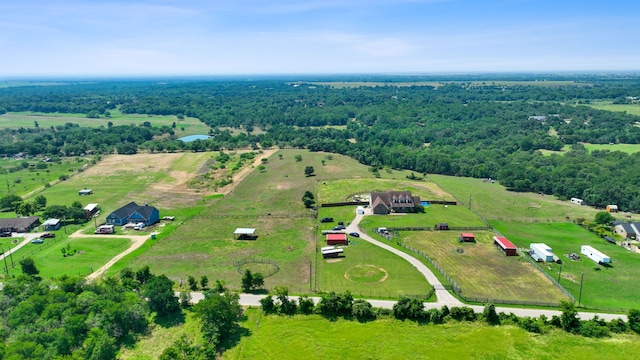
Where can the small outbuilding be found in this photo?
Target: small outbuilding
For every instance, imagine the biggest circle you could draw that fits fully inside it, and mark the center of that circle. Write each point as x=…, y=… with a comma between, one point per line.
x=337, y=239
x=467, y=237
x=577, y=201
x=85, y=192
x=91, y=209
x=441, y=226
x=245, y=234
x=595, y=255
x=330, y=252
x=612, y=208
x=541, y=252
x=51, y=224
x=505, y=245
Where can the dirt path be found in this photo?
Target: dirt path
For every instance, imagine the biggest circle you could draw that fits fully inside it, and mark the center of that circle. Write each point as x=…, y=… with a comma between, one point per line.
x=138, y=240
x=240, y=175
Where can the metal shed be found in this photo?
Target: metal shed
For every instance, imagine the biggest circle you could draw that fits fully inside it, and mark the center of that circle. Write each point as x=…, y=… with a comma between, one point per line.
x=245, y=233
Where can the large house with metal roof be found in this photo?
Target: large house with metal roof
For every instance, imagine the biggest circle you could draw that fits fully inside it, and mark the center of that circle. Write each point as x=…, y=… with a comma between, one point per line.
x=20, y=224
x=134, y=213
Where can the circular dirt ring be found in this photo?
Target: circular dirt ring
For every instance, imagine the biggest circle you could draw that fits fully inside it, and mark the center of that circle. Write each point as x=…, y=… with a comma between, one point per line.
x=266, y=269
x=366, y=274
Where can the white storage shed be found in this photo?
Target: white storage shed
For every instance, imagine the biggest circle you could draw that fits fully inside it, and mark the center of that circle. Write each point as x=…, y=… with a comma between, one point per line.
x=542, y=252
x=594, y=254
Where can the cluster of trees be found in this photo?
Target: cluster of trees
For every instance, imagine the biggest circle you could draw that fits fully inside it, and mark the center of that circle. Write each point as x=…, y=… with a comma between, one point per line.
x=335, y=305
x=475, y=127
x=308, y=199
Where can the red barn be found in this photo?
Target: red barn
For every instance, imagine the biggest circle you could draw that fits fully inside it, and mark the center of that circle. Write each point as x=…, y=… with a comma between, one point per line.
x=467, y=237
x=337, y=239
x=506, y=245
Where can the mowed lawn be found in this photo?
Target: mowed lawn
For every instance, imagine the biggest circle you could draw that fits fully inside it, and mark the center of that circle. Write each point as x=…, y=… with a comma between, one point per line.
x=493, y=201
x=370, y=272
x=453, y=215
x=481, y=269
x=91, y=254
x=313, y=337
x=612, y=287
x=343, y=189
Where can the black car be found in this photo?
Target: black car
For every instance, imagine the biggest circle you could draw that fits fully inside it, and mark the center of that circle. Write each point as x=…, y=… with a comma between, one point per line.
x=48, y=235
x=326, y=219
x=354, y=234
x=5, y=234
x=339, y=227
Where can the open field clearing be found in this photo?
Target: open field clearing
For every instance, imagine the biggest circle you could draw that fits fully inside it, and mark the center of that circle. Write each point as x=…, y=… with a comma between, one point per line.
x=22, y=176
x=481, y=269
x=344, y=189
x=612, y=287
x=281, y=337
x=632, y=109
x=493, y=201
x=625, y=148
x=88, y=255
x=269, y=201
x=15, y=120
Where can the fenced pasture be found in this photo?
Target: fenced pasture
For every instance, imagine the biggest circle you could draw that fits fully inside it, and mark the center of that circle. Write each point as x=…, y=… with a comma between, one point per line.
x=15, y=120
x=369, y=271
x=344, y=189
x=88, y=255
x=20, y=179
x=481, y=269
x=612, y=288
x=319, y=338
x=494, y=202
x=455, y=216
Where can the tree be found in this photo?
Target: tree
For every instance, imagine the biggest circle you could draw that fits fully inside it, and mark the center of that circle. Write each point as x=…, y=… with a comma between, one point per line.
x=569, y=318
x=204, y=281
x=308, y=199
x=40, y=202
x=143, y=274
x=247, y=281
x=634, y=320
x=603, y=218
x=28, y=267
x=362, y=310
x=490, y=316
x=220, y=314
x=298, y=158
x=159, y=291
x=99, y=345
x=193, y=284
x=280, y=156
x=308, y=171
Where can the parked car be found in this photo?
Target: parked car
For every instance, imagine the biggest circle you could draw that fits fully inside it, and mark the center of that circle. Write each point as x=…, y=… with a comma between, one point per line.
x=48, y=235
x=340, y=222
x=37, y=241
x=339, y=227
x=326, y=219
x=5, y=234
x=354, y=234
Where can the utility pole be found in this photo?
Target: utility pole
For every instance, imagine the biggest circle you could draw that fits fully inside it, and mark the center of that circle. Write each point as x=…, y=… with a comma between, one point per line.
x=581, y=282
x=6, y=269
x=469, y=201
x=560, y=273
x=13, y=265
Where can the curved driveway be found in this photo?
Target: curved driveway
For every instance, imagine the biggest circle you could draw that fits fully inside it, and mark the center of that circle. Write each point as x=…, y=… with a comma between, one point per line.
x=444, y=297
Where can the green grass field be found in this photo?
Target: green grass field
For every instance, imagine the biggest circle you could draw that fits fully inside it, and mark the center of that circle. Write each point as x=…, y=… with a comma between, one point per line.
x=344, y=189
x=205, y=245
x=90, y=255
x=625, y=148
x=14, y=120
x=481, y=269
x=452, y=215
x=608, y=288
x=370, y=272
x=632, y=109
x=21, y=180
x=313, y=337
x=493, y=201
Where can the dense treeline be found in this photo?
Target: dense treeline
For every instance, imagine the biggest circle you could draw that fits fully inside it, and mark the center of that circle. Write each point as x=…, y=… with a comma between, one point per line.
x=478, y=126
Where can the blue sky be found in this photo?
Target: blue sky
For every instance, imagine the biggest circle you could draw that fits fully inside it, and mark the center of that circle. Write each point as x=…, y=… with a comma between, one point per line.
x=197, y=37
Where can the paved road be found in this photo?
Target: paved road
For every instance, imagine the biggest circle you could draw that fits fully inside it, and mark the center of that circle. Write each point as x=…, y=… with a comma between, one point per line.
x=444, y=297
x=254, y=300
